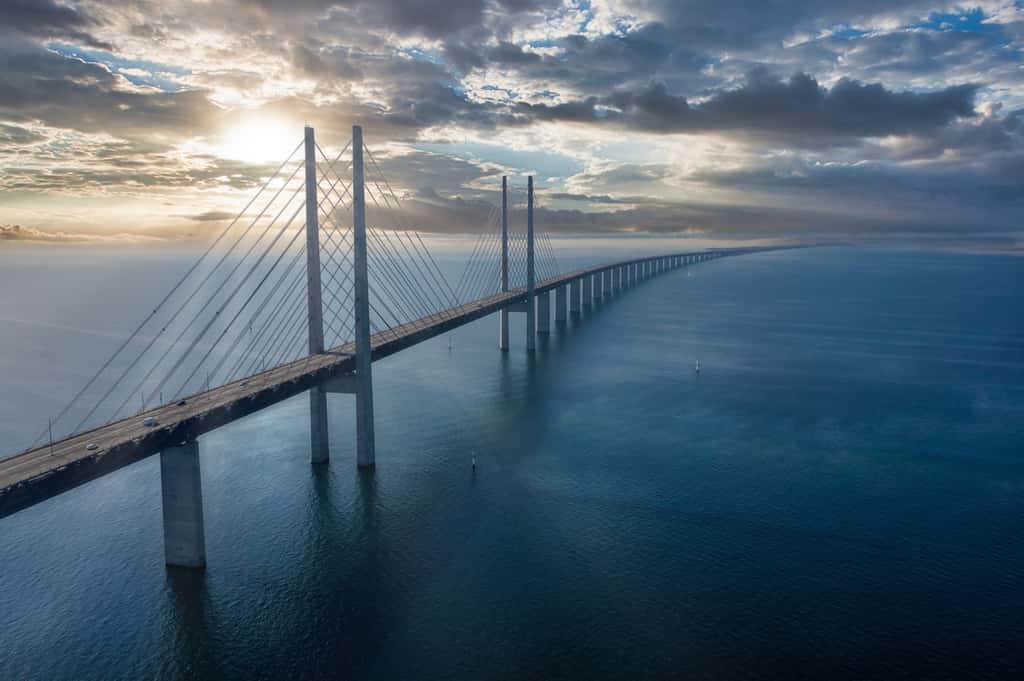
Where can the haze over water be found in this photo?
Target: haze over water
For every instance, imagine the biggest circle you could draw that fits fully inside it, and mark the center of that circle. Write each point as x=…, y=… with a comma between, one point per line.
x=836, y=495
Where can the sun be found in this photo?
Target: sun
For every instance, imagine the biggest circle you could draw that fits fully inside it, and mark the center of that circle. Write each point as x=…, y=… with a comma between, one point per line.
x=259, y=140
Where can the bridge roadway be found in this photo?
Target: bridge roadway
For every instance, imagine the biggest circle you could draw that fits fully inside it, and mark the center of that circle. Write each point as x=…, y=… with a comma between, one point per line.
x=46, y=471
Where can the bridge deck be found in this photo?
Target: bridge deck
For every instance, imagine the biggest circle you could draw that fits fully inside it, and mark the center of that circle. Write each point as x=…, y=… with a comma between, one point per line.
x=37, y=474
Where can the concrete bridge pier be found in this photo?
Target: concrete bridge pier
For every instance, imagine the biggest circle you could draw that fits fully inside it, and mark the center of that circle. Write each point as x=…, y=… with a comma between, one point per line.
x=181, y=496
x=544, y=312
x=574, y=296
x=320, y=451
x=588, y=291
x=561, y=302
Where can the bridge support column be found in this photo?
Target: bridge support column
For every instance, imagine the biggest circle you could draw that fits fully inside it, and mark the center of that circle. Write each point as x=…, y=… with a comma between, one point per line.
x=604, y=284
x=588, y=291
x=181, y=496
x=319, y=450
x=544, y=312
x=574, y=296
x=365, y=441
x=531, y=310
x=560, y=303
x=503, y=314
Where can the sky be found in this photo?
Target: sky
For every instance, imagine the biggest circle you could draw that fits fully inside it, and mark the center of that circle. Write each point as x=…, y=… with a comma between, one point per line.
x=138, y=120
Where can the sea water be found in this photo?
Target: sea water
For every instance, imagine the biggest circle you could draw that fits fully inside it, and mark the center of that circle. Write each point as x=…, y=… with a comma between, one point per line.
x=837, y=494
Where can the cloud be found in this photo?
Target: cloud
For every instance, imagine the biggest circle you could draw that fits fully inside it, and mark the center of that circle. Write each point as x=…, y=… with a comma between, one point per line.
x=800, y=110
x=634, y=114
x=210, y=216
x=21, y=233
x=37, y=84
x=48, y=19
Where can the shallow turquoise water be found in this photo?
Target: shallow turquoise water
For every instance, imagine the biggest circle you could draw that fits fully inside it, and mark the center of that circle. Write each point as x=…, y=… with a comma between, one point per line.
x=838, y=494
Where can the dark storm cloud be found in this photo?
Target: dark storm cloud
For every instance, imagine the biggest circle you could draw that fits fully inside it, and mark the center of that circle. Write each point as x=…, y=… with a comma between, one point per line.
x=424, y=17
x=799, y=109
x=970, y=142
x=39, y=85
x=740, y=24
x=585, y=63
x=942, y=198
x=48, y=19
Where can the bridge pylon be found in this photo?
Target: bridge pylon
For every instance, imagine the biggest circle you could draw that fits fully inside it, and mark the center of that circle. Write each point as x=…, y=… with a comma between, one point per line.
x=365, y=440
x=503, y=315
x=531, y=305
x=319, y=449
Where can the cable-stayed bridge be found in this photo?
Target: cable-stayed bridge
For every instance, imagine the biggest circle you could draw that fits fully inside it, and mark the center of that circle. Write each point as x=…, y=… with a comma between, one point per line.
x=318, y=276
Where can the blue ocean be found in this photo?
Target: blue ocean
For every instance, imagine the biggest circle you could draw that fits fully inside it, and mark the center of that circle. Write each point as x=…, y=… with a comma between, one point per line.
x=837, y=494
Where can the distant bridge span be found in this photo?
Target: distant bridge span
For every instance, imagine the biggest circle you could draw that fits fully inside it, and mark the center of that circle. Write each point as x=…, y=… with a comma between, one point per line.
x=173, y=428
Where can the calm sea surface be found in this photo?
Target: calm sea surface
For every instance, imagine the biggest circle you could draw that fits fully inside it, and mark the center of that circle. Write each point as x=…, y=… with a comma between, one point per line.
x=839, y=494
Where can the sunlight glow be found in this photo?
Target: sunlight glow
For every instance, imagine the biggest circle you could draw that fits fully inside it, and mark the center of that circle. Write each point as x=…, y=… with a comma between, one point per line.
x=259, y=140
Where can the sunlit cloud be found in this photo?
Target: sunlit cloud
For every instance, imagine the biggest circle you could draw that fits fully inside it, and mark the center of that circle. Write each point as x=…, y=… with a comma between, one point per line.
x=872, y=115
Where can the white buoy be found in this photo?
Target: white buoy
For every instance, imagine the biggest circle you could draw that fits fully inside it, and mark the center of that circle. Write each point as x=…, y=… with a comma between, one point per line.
x=474, y=462
x=698, y=366
x=449, y=343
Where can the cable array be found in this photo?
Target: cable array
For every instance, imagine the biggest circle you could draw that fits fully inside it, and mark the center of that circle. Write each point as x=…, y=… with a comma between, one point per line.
x=241, y=307
x=482, y=274
x=213, y=324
